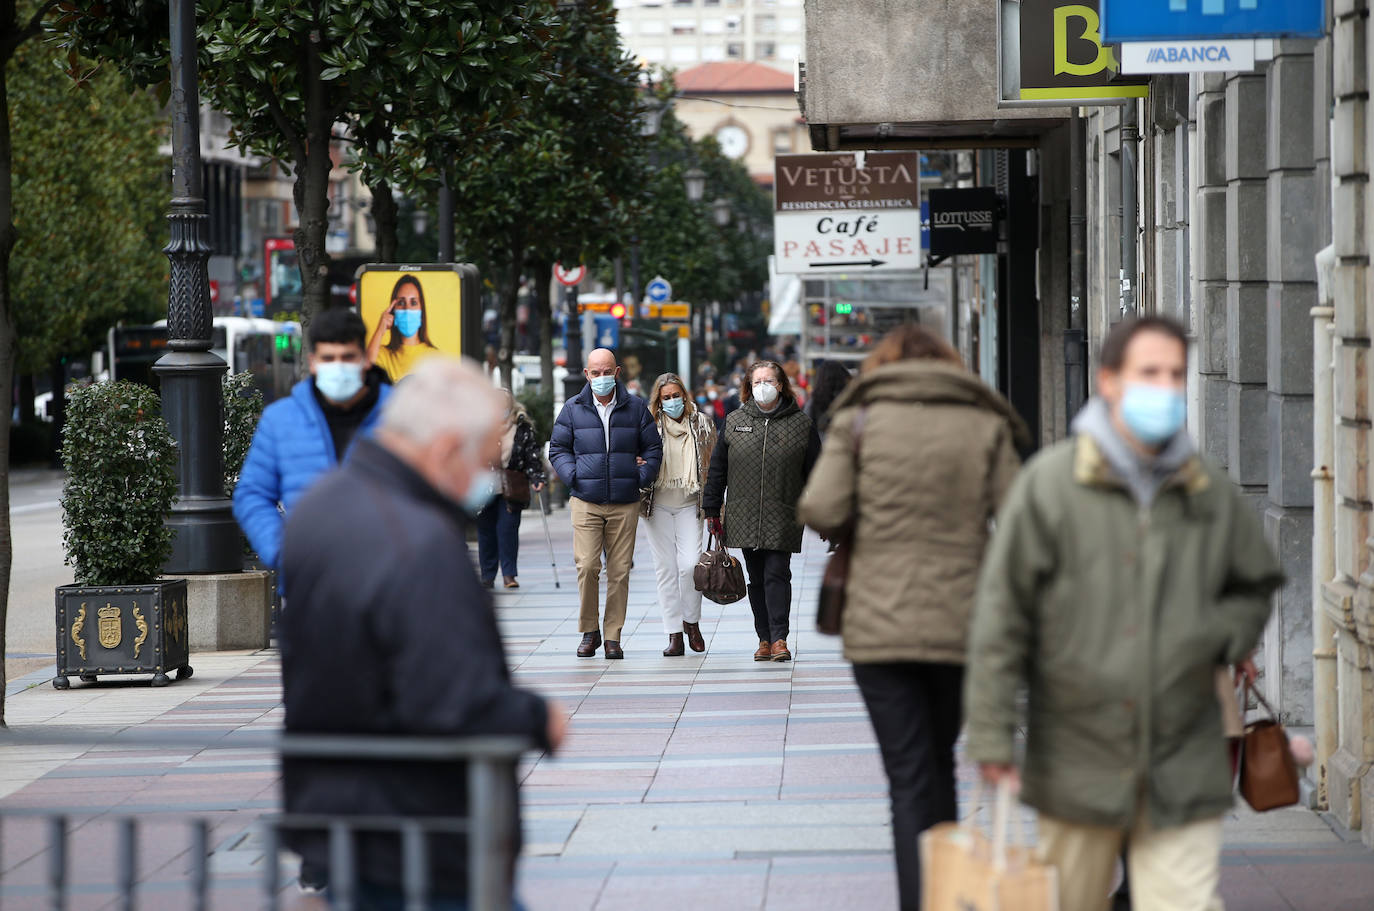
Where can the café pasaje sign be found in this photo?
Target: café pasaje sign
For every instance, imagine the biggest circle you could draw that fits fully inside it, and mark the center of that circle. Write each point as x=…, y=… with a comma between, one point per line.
x=855, y=212
x=1064, y=59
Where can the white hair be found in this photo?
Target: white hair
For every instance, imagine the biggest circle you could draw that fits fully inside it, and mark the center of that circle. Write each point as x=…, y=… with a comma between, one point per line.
x=442, y=395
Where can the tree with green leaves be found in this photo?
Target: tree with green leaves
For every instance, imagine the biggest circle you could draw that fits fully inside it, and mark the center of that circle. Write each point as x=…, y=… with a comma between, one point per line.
x=292, y=76
x=557, y=180
x=18, y=27
x=90, y=191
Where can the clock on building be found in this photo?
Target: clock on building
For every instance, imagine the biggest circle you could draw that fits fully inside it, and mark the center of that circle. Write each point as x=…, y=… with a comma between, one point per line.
x=733, y=139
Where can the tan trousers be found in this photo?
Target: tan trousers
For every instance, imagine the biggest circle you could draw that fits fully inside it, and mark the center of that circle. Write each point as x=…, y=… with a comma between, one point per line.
x=1172, y=869
x=608, y=529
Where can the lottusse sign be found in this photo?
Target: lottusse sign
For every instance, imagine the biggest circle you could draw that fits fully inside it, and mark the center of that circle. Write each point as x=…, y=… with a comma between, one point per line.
x=963, y=221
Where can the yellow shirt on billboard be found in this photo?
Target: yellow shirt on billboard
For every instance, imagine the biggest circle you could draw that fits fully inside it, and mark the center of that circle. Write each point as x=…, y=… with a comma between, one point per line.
x=398, y=364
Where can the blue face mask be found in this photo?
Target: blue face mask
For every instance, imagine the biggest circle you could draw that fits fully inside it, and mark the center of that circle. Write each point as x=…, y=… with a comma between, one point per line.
x=408, y=322
x=338, y=381
x=485, y=485
x=701, y=400
x=1153, y=414
x=602, y=385
x=674, y=407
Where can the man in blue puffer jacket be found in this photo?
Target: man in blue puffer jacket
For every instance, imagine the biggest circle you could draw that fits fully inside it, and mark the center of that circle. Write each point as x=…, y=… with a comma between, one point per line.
x=310, y=431
x=605, y=448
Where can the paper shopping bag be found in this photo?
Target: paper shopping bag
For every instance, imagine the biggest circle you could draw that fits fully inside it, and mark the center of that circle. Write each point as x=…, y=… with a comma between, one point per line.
x=962, y=869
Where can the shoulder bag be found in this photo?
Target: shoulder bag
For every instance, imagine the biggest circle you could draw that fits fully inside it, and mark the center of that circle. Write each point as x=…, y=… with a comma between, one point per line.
x=830, y=607
x=718, y=576
x=1268, y=772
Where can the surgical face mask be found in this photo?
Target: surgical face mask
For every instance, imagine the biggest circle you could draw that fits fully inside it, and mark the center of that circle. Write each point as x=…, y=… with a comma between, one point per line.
x=765, y=394
x=408, y=322
x=483, y=489
x=1153, y=414
x=701, y=400
x=674, y=407
x=602, y=385
x=338, y=381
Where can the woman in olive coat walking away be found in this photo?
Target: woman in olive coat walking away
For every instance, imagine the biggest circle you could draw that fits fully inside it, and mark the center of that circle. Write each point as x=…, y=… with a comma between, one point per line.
x=763, y=458
x=919, y=456
x=672, y=508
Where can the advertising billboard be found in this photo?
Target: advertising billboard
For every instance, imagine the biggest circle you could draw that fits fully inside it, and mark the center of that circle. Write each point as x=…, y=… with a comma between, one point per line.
x=414, y=311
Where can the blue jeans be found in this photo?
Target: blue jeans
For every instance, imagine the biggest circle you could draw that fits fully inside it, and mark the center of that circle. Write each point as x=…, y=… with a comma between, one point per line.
x=390, y=898
x=498, y=540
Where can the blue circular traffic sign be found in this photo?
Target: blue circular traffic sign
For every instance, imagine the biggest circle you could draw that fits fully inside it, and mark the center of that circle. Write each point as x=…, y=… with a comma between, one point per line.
x=659, y=290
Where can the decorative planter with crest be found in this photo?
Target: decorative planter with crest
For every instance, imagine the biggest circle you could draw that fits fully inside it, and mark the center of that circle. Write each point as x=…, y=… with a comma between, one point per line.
x=119, y=617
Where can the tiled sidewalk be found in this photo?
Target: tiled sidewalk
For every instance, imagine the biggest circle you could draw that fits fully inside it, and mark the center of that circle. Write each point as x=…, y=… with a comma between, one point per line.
x=707, y=781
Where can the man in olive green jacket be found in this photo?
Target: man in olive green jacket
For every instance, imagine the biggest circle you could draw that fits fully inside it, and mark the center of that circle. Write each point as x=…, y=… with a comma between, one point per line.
x=1123, y=573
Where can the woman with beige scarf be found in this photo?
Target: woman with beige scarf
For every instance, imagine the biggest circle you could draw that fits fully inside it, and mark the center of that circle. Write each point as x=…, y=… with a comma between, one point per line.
x=672, y=508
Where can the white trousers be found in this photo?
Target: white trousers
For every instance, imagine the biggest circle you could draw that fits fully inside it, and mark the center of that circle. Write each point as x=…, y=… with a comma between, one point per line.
x=675, y=537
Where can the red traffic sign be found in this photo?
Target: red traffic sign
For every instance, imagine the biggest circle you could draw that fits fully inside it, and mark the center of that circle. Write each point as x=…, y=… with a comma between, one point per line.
x=214, y=291
x=569, y=277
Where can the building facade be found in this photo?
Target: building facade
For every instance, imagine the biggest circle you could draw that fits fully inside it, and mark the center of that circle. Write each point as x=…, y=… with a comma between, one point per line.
x=1252, y=226
x=682, y=33
x=749, y=108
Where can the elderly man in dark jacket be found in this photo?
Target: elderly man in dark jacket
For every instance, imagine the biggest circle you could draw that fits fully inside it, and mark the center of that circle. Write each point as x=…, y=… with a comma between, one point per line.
x=389, y=633
x=606, y=449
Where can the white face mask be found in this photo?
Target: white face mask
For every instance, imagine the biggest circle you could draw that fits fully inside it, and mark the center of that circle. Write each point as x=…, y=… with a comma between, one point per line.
x=765, y=394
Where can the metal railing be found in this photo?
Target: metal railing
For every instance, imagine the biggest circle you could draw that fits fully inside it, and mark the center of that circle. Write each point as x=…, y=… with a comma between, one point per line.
x=491, y=824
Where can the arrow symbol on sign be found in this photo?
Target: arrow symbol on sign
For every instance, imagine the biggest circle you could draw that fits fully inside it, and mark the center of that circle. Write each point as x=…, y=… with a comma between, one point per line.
x=873, y=263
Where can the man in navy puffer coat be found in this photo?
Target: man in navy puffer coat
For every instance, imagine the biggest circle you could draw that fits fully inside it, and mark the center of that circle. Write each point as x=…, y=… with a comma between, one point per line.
x=310, y=431
x=605, y=448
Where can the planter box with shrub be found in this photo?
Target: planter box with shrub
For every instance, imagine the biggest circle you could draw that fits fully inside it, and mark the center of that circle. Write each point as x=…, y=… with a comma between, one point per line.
x=119, y=617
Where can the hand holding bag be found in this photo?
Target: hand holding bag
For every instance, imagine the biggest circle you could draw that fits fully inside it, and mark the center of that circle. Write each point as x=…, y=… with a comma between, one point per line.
x=718, y=576
x=1268, y=772
x=964, y=870
x=830, y=605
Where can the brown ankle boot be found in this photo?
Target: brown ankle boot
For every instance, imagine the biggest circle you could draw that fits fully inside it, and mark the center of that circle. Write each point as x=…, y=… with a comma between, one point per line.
x=764, y=652
x=674, y=648
x=693, y=631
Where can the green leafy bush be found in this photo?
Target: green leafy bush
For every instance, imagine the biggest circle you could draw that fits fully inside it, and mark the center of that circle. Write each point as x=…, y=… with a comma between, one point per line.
x=120, y=461
x=540, y=408
x=242, y=408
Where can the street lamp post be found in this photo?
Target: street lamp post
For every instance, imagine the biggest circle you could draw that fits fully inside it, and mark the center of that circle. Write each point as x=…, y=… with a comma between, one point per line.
x=206, y=537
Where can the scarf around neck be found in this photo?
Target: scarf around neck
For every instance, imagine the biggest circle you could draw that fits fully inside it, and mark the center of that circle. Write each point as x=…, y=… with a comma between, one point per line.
x=679, y=469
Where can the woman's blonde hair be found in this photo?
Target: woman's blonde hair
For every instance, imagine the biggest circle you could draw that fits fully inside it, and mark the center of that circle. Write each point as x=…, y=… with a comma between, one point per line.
x=656, y=396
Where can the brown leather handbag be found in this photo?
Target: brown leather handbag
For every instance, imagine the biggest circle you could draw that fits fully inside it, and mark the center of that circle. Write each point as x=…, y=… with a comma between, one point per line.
x=1268, y=772
x=515, y=487
x=718, y=576
x=830, y=605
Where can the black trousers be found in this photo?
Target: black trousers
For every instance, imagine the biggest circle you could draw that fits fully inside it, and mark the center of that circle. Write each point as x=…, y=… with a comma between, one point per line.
x=916, y=710
x=770, y=592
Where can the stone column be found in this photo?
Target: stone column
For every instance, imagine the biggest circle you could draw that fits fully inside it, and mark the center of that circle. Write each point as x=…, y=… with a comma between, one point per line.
x=1348, y=602
x=1247, y=176
x=1209, y=266
x=1294, y=235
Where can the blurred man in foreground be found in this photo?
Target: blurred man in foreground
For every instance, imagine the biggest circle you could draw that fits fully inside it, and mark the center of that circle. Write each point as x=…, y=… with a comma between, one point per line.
x=390, y=630
x=1123, y=573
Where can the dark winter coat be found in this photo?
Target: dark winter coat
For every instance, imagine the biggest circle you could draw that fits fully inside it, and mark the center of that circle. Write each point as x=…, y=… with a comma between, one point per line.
x=763, y=459
x=389, y=632
x=579, y=455
x=291, y=448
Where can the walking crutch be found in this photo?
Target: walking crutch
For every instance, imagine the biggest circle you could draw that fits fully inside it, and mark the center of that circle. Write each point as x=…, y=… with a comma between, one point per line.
x=543, y=514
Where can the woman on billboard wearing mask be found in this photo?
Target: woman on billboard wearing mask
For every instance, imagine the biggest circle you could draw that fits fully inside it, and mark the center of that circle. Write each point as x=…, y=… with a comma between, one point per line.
x=405, y=328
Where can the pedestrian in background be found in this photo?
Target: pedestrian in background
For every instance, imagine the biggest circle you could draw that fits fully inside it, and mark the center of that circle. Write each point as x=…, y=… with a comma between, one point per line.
x=1124, y=571
x=389, y=634
x=310, y=431
x=759, y=468
x=672, y=508
x=919, y=457
x=606, y=449
x=498, y=526
x=832, y=378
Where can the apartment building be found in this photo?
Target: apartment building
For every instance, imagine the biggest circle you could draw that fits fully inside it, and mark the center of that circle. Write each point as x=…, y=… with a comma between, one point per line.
x=678, y=34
